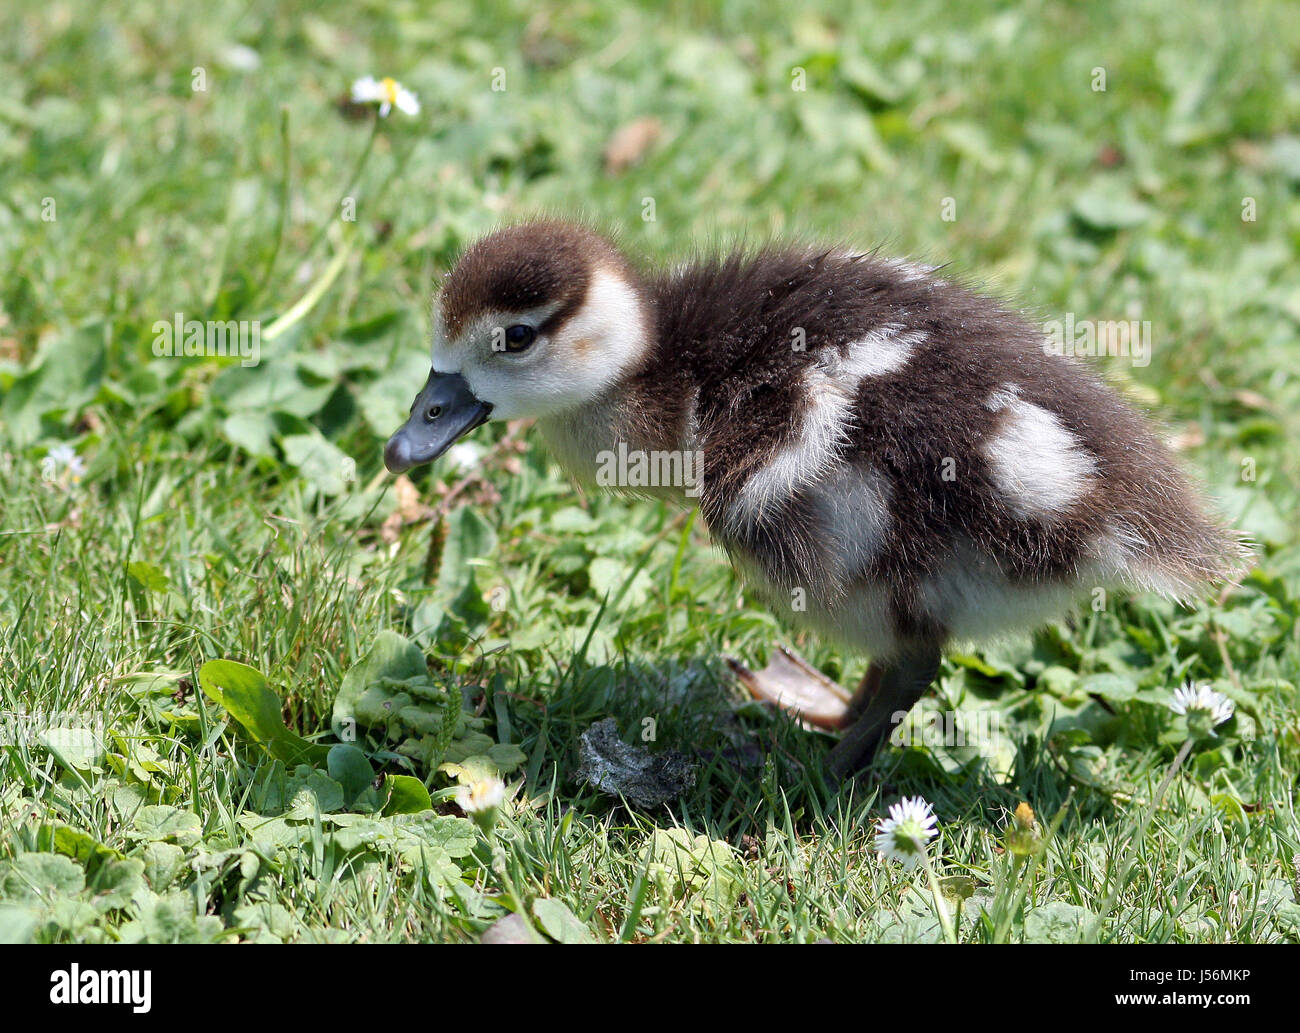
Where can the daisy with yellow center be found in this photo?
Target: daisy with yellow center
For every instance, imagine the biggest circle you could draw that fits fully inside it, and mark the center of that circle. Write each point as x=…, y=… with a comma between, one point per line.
x=387, y=93
x=482, y=795
x=63, y=466
x=1203, y=707
x=482, y=800
x=904, y=834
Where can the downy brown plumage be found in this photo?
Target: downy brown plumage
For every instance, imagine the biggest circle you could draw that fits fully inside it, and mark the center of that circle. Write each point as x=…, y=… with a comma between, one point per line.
x=902, y=455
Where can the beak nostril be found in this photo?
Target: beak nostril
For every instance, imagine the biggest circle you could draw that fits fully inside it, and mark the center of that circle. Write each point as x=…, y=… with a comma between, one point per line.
x=445, y=411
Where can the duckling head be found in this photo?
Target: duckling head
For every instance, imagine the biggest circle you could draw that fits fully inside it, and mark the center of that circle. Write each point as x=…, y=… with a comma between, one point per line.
x=534, y=320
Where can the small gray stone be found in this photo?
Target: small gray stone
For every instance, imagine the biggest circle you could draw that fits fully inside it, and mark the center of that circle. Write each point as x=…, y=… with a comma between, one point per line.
x=647, y=779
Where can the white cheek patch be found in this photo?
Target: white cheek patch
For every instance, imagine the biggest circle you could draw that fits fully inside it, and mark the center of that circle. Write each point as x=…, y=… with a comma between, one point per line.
x=816, y=446
x=594, y=348
x=606, y=336
x=1039, y=466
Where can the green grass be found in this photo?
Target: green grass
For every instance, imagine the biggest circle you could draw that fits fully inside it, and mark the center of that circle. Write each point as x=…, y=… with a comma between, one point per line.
x=216, y=517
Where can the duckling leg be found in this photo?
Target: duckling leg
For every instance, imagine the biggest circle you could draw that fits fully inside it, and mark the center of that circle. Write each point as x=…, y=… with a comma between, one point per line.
x=793, y=684
x=887, y=691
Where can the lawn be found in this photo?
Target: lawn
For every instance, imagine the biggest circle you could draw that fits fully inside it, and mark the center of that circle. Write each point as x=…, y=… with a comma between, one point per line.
x=184, y=753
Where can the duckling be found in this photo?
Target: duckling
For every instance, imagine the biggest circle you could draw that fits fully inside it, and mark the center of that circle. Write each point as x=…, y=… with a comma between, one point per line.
x=888, y=458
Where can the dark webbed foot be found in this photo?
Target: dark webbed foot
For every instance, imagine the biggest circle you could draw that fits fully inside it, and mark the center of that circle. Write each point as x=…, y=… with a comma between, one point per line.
x=887, y=693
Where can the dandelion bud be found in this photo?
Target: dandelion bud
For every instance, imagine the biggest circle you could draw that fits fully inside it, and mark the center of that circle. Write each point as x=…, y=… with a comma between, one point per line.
x=1024, y=838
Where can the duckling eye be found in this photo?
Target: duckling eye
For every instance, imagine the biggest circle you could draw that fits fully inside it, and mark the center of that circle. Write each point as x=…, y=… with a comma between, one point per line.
x=519, y=337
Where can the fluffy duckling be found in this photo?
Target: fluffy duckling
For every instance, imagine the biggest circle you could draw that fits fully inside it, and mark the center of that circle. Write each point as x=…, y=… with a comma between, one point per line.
x=889, y=459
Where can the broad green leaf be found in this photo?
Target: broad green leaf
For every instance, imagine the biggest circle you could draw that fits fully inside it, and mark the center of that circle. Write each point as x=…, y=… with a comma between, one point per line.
x=158, y=822
x=274, y=922
x=41, y=878
x=867, y=78
x=270, y=386
x=78, y=749
x=469, y=537
x=970, y=141
x=1113, y=687
x=80, y=846
x=506, y=756
x=1057, y=922
x=1108, y=206
x=406, y=795
x=560, y=924
x=391, y=656
x=63, y=377
x=118, y=884
x=172, y=919
x=252, y=430
x=457, y=836
x=349, y=767
x=319, y=794
x=148, y=576
x=18, y=924
x=385, y=402
x=1229, y=806
x=694, y=871
x=322, y=463
x=609, y=576
x=272, y=834
x=956, y=888
x=163, y=862
x=243, y=692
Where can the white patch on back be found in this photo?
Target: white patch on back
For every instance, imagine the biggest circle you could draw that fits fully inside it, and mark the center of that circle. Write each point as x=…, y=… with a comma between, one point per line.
x=1039, y=466
x=815, y=447
x=884, y=350
x=909, y=272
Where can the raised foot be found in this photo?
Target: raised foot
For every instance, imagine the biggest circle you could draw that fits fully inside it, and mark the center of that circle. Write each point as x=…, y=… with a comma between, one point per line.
x=793, y=684
x=888, y=691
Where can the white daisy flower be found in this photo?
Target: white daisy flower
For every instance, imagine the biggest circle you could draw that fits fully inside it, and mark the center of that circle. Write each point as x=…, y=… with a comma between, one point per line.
x=482, y=796
x=387, y=93
x=904, y=834
x=1200, y=702
x=62, y=463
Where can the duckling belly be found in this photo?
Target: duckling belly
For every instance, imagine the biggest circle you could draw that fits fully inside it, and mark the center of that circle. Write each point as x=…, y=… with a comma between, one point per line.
x=859, y=619
x=975, y=601
x=967, y=601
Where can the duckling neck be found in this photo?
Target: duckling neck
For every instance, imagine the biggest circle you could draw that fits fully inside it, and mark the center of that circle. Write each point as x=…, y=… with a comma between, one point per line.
x=631, y=440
